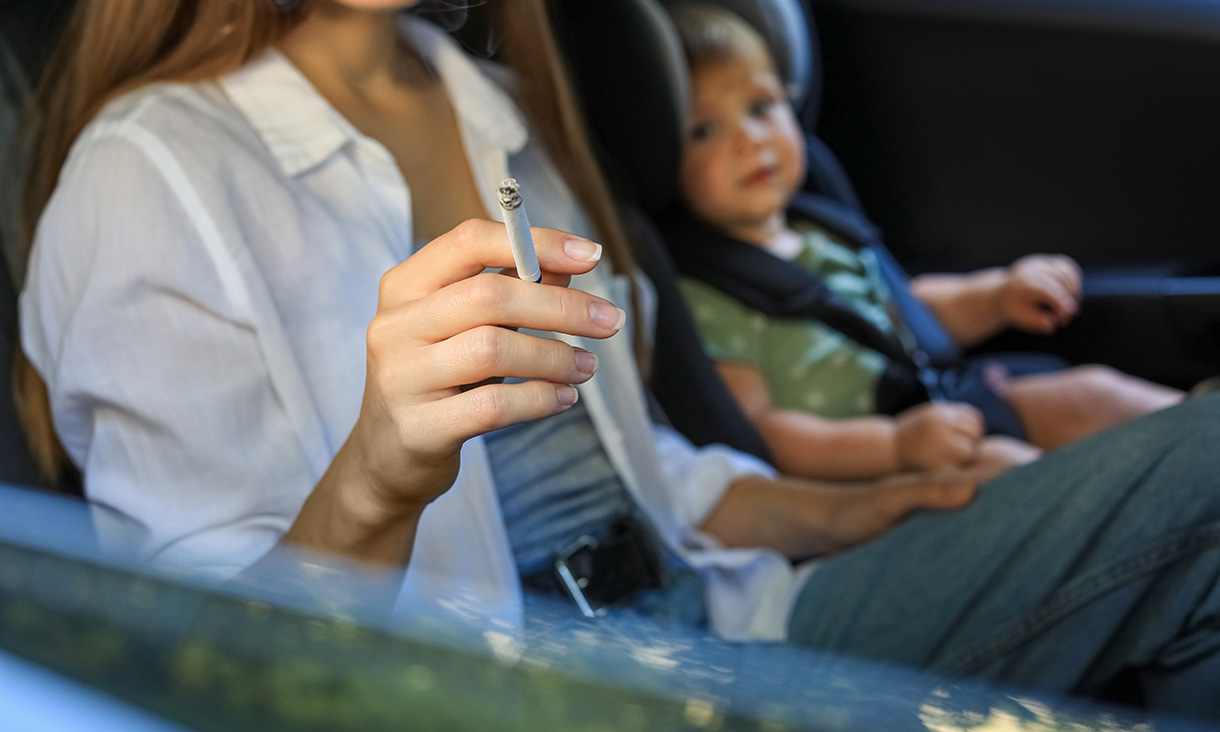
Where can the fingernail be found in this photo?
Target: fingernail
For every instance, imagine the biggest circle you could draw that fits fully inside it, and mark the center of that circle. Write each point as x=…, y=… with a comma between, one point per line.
x=567, y=395
x=583, y=250
x=586, y=363
x=607, y=316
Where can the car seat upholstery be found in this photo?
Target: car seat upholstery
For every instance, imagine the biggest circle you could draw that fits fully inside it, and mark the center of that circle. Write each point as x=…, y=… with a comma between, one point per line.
x=15, y=466
x=637, y=132
x=632, y=79
x=628, y=86
x=27, y=30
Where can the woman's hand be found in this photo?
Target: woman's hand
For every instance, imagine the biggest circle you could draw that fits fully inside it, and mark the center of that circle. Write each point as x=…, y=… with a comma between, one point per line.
x=801, y=519
x=1041, y=293
x=444, y=323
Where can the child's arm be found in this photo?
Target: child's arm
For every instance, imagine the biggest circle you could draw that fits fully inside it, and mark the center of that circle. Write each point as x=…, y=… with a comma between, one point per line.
x=1038, y=293
x=927, y=436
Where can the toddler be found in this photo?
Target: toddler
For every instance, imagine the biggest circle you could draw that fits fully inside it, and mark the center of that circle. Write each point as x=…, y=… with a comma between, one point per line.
x=817, y=395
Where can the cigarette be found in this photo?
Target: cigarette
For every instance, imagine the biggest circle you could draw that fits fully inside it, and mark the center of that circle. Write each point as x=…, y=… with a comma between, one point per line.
x=519, y=231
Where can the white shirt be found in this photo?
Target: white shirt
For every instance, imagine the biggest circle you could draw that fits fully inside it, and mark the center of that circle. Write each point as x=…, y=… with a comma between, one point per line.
x=197, y=301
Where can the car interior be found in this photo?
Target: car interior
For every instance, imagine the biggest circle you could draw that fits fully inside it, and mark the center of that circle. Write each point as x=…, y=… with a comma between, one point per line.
x=1047, y=144
x=645, y=163
x=962, y=134
x=978, y=132
x=27, y=31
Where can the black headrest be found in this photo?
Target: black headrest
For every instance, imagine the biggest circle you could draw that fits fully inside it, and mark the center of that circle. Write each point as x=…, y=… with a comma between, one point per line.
x=785, y=26
x=30, y=27
x=631, y=73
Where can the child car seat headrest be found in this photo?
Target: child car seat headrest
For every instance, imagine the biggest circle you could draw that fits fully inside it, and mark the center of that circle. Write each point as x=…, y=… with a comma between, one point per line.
x=785, y=27
x=630, y=72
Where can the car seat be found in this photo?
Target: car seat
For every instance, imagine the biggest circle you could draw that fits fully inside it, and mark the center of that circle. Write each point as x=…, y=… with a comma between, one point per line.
x=631, y=76
x=15, y=465
x=27, y=32
x=639, y=152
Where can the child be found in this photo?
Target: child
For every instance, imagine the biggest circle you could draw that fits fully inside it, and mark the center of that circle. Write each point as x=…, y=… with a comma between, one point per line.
x=811, y=390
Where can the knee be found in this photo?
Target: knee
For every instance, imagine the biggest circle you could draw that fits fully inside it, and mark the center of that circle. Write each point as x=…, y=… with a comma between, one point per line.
x=1096, y=383
x=1109, y=388
x=1104, y=386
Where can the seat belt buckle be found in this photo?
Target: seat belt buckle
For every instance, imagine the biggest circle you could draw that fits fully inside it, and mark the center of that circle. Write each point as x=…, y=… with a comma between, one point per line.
x=575, y=585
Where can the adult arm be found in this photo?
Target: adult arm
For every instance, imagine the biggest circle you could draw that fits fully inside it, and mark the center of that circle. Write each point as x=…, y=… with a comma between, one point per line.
x=1038, y=293
x=158, y=368
x=443, y=323
x=801, y=519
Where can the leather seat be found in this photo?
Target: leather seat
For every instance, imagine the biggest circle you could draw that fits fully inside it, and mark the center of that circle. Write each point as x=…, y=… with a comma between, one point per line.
x=630, y=74
x=629, y=69
x=27, y=32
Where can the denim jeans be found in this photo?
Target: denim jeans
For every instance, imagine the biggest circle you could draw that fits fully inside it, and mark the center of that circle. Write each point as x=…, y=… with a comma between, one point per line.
x=1098, y=562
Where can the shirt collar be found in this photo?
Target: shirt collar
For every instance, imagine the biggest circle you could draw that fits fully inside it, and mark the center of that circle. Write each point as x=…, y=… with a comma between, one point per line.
x=489, y=116
x=301, y=129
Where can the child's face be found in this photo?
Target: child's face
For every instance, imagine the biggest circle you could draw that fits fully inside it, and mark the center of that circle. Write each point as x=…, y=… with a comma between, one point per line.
x=744, y=154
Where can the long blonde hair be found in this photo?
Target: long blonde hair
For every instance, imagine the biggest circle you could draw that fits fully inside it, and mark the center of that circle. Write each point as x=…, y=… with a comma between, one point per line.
x=111, y=47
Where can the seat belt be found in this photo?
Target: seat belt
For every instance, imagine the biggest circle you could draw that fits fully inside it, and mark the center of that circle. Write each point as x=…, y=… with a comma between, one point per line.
x=768, y=284
x=849, y=224
x=782, y=289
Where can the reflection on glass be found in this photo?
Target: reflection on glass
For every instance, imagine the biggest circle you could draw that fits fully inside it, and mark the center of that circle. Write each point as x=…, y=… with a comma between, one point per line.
x=307, y=653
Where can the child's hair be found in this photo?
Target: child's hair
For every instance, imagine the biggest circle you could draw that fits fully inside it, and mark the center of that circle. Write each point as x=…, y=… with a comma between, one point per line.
x=710, y=34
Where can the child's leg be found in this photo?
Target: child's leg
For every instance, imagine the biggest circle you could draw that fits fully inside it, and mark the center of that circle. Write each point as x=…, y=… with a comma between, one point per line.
x=1063, y=406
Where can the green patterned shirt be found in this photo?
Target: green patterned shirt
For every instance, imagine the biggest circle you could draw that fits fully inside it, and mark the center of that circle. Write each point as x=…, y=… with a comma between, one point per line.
x=807, y=366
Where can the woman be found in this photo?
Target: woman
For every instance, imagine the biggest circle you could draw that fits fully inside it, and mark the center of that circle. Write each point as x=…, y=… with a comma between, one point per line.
x=199, y=303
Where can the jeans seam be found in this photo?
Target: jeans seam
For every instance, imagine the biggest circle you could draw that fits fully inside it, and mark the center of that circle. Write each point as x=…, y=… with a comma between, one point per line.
x=1079, y=592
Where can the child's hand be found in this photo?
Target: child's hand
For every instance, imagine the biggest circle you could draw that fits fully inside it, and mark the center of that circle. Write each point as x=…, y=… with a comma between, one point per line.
x=937, y=435
x=1040, y=293
x=443, y=323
